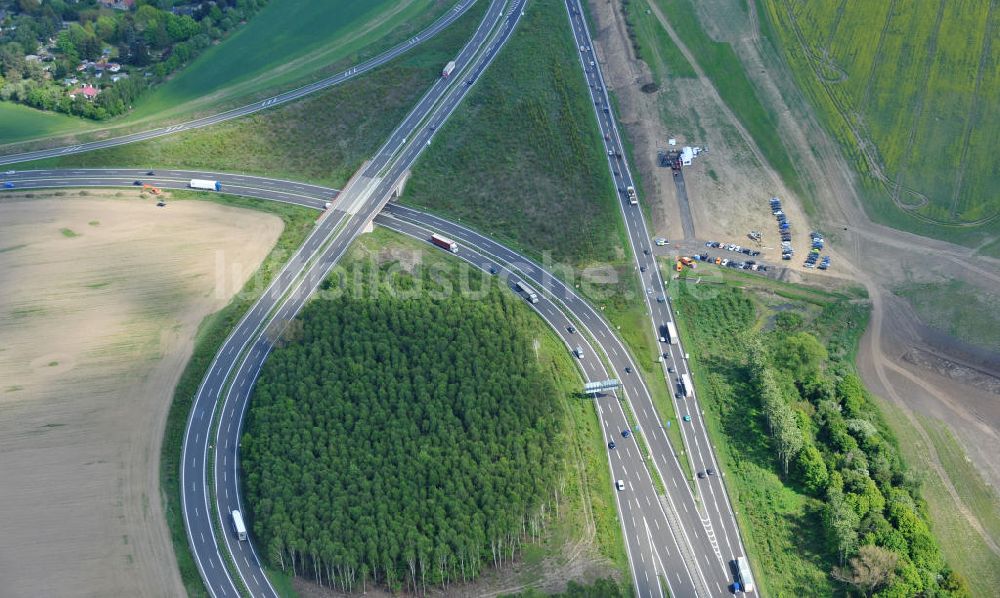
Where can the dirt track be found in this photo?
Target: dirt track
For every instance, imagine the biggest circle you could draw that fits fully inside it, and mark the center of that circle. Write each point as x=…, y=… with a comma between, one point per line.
x=99, y=302
x=903, y=361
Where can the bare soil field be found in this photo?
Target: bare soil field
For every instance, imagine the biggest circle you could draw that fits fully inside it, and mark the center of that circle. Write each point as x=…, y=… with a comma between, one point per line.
x=919, y=369
x=100, y=299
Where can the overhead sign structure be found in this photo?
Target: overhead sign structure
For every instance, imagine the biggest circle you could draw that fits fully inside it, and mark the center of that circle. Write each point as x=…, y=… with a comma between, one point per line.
x=595, y=387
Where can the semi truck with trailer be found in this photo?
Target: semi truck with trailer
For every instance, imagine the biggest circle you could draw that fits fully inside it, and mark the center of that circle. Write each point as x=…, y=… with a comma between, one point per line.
x=238, y=527
x=528, y=292
x=686, y=385
x=444, y=243
x=448, y=68
x=205, y=185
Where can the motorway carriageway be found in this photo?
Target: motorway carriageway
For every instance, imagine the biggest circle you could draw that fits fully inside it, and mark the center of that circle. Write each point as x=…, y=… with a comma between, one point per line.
x=652, y=549
x=436, y=27
x=714, y=511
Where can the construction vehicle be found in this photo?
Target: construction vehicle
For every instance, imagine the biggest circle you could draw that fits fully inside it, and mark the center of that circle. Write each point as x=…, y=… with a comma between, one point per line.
x=689, y=262
x=679, y=266
x=151, y=189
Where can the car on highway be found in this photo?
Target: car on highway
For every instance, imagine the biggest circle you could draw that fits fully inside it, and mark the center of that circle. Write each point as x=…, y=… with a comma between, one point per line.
x=8, y=185
x=670, y=369
x=686, y=418
x=701, y=475
x=645, y=251
x=493, y=270
x=9, y=172
x=628, y=370
x=150, y=173
x=661, y=299
x=620, y=485
x=626, y=433
x=137, y=183
x=611, y=444
x=571, y=329
x=710, y=471
x=642, y=268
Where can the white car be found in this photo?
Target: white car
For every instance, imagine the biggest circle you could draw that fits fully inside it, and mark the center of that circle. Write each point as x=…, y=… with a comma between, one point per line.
x=620, y=485
x=9, y=172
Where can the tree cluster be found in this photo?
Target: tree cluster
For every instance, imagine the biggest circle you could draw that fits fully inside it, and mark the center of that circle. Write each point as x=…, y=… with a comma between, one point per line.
x=829, y=439
x=149, y=39
x=402, y=441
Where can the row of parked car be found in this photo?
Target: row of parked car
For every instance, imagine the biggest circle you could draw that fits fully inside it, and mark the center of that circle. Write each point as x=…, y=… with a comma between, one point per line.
x=728, y=263
x=784, y=229
x=814, y=251
x=732, y=247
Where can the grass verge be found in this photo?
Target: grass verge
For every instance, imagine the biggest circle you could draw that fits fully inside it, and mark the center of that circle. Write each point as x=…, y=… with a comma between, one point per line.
x=211, y=333
x=323, y=138
x=520, y=158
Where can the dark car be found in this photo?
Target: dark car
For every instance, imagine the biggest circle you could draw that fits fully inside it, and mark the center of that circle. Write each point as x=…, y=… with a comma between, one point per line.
x=642, y=268
x=137, y=183
x=701, y=475
x=645, y=251
x=571, y=329
x=628, y=370
x=625, y=433
x=710, y=471
x=150, y=173
x=493, y=269
x=670, y=369
x=611, y=444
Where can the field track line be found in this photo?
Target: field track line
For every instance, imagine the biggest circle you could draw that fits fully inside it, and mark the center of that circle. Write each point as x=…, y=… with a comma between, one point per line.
x=918, y=113
x=877, y=61
x=971, y=117
x=835, y=26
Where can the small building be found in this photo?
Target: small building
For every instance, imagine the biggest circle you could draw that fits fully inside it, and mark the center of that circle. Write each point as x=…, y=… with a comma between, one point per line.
x=687, y=154
x=114, y=67
x=88, y=91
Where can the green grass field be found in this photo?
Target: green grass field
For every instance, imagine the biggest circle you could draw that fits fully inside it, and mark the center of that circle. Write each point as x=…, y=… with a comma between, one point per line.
x=287, y=41
x=323, y=138
x=18, y=123
x=522, y=158
x=957, y=308
x=280, y=48
x=915, y=83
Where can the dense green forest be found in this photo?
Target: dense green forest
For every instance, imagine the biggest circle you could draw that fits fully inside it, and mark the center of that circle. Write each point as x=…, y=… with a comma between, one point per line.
x=402, y=440
x=789, y=402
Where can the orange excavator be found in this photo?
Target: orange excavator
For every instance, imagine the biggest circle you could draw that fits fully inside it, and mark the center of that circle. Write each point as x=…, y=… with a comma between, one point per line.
x=688, y=262
x=151, y=189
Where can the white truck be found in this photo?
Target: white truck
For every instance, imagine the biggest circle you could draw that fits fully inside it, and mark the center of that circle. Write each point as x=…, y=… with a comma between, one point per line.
x=746, y=576
x=448, y=68
x=671, y=333
x=444, y=243
x=686, y=387
x=529, y=293
x=238, y=527
x=205, y=185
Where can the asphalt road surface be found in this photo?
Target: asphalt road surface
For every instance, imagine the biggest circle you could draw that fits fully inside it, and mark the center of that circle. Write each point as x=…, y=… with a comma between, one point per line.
x=243, y=353
x=671, y=538
x=713, y=510
x=441, y=24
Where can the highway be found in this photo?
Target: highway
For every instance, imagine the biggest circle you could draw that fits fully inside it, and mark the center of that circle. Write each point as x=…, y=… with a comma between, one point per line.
x=243, y=353
x=714, y=508
x=681, y=541
x=439, y=25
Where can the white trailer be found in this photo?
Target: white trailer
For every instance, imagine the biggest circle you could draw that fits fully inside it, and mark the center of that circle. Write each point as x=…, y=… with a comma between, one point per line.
x=205, y=185
x=448, y=68
x=671, y=333
x=746, y=576
x=238, y=528
x=529, y=293
x=686, y=387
